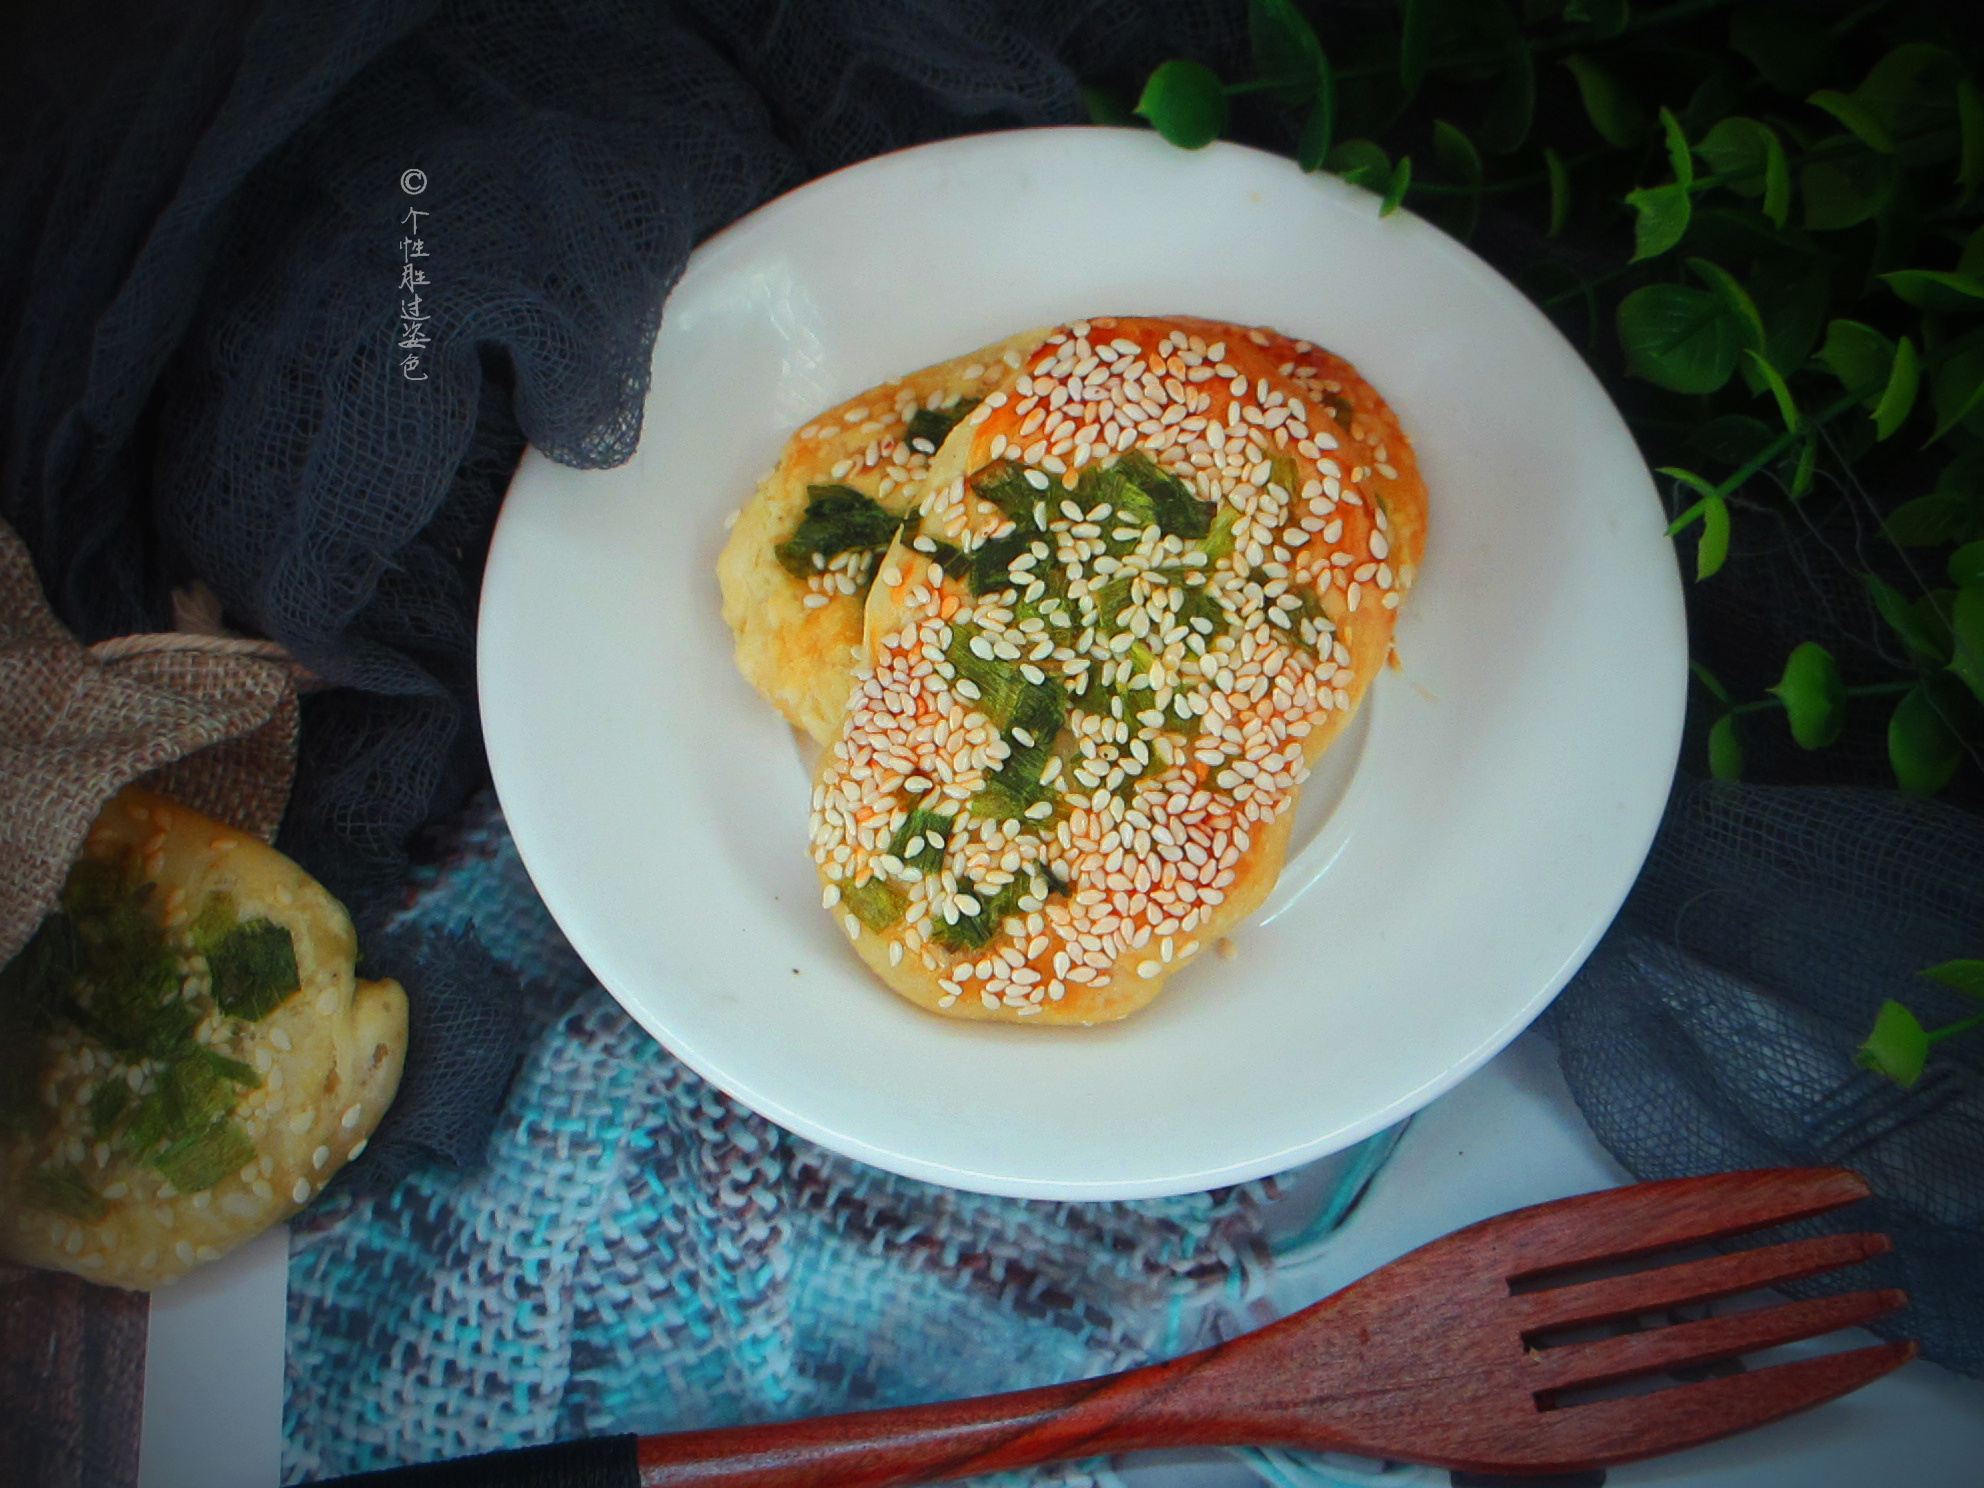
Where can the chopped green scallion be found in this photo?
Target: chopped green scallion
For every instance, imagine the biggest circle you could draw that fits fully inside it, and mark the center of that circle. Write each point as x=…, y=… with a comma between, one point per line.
x=63, y=1191
x=876, y=904
x=838, y=519
x=254, y=969
x=202, y=1158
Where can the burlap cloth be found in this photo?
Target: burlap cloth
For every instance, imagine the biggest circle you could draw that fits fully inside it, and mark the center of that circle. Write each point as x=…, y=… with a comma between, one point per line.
x=207, y=720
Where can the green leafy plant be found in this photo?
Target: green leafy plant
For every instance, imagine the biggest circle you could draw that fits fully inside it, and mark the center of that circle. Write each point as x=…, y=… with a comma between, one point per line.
x=1899, y=1045
x=1796, y=302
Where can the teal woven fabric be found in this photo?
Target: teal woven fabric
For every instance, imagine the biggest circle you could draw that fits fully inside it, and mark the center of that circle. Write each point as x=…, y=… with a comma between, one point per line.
x=639, y=1253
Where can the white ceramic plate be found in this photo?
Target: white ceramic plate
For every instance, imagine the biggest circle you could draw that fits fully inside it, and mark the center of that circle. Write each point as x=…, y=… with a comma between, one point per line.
x=1456, y=858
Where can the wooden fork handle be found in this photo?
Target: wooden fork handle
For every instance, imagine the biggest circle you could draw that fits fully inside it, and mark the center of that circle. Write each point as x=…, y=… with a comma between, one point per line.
x=1134, y=1411
x=1158, y=1406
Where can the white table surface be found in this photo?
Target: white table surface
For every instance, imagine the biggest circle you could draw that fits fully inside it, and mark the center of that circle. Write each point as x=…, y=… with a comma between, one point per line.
x=1506, y=1137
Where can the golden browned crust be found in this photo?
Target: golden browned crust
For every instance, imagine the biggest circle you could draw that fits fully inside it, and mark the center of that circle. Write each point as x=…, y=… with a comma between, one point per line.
x=1266, y=399
x=801, y=656
x=324, y=1064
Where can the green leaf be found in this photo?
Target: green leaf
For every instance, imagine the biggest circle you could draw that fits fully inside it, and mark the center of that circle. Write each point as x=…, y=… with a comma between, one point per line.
x=1709, y=680
x=1733, y=233
x=1898, y=227
x=1361, y=163
x=1970, y=128
x=1898, y=397
x=1814, y=696
x=1956, y=387
x=1932, y=520
x=1415, y=41
x=1401, y=183
x=1932, y=614
x=1859, y=356
x=1845, y=191
x=1620, y=118
x=1105, y=107
x=1725, y=749
x=1607, y=18
x=1714, y=98
x=1679, y=338
x=1923, y=749
x=1791, y=52
x=1713, y=549
x=1856, y=116
x=1898, y=1046
x=1317, y=135
x=1738, y=150
x=1735, y=298
x=1695, y=482
x=1910, y=92
x=1687, y=518
x=1967, y=637
x=1663, y=220
x=1679, y=156
x=1966, y=976
x=1287, y=55
x=1808, y=462
x=1458, y=155
x=1185, y=103
x=1965, y=474
x=1793, y=306
x=1511, y=112
x=1920, y=638
x=1972, y=261
x=1734, y=438
x=1966, y=565
x=1930, y=289
x=1787, y=409
x=1777, y=182
x=1560, y=191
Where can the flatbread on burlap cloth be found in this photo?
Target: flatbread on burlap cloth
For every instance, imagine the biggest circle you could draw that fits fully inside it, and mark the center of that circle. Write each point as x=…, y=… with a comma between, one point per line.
x=208, y=720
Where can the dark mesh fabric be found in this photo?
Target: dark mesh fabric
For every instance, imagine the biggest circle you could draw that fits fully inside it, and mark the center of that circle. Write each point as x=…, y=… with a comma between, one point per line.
x=202, y=258
x=465, y=1028
x=199, y=266
x=1715, y=1026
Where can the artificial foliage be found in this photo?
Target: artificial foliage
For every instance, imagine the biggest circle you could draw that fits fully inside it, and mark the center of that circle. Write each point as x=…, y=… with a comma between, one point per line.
x=1788, y=300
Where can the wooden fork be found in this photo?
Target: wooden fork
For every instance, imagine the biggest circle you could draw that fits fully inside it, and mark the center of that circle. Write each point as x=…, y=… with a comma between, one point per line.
x=1433, y=1359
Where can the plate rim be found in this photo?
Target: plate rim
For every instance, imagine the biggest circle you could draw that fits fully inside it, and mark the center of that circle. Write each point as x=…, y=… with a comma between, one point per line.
x=636, y=1002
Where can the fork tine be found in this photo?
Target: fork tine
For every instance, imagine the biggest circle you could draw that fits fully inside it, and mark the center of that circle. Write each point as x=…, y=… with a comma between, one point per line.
x=1695, y=1281
x=1683, y=1344
x=1604, y=1432
x=1620, y=1222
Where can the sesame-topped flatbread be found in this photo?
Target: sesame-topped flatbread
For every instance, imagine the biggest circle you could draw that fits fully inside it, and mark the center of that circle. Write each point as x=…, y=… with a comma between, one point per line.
x=796, y=570
x=187, y=1058
x=1153, y=576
